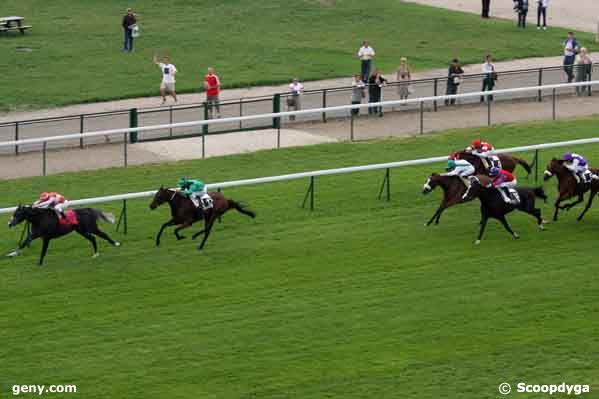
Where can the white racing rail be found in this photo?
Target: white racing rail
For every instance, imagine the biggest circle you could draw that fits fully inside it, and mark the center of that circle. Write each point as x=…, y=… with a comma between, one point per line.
x=325, y=172
x=113, y=132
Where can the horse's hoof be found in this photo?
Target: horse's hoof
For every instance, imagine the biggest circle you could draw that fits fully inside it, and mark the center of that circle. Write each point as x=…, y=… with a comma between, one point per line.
x=117, y=244
x=180, y=238
x=541, y=227
x=13, y=254
x=477, y=242
x=543, y=221
x=96, y=255
x=516, y=236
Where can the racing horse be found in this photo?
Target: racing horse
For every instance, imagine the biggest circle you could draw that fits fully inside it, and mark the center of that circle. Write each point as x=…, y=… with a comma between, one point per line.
x=568, y=187
x=508, y=162
x=46, y=224
x=493, y=206
x=184, y=213
x=453, y=190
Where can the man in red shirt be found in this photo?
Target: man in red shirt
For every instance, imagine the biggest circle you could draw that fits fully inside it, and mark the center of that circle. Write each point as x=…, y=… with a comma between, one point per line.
x=212, y=87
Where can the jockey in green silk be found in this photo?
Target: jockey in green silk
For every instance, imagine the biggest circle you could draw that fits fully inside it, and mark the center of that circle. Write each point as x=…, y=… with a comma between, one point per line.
x=196, y=191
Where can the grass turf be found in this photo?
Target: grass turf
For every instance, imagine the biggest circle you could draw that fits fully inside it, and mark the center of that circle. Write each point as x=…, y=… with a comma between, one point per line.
x=356, y=299
x=77, y=46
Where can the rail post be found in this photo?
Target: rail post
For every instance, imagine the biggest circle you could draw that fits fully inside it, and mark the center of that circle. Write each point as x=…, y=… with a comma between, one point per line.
x=553, y=103
x=540, y=93
x=125, y=158
x=536, y=166
x=16, y=137
x=133, y=122
x=123, y=218
x=170, y=120
x=435, y=91
x=488, y=111
x=351, y=126
x=590, y=80
x=386, y=184
x=324, y=105
x=205, y=127
x=309, y=194
x=44, y=158
x=276, y=108
x=81, y=130
x=203, y=145
x=278, y=137
x=421, y=117
x=240, y=113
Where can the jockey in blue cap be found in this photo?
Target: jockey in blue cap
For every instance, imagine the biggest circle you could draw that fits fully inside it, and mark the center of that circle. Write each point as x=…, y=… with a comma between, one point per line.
x=579, y=167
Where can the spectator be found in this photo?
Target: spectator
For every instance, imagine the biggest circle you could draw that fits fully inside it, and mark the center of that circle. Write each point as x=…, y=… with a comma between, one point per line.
x=357, y=93
x=454, y=78
x=542, y=12
x=570, y=51
x=584, y=66
x=490, y=76
x=522, y=8
x=404, y=77
x=129, y=23
x=486, y=8
x=168, y=78
x=366, y=54
x=293, y=101
x=375, y=91
x=212, y=87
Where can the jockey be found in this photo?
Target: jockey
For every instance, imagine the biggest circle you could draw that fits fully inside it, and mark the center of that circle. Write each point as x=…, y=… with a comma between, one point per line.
x=196, y=191
x=503, y=181
x=485, y=152
x=579, y=167
x=53, y=201
x=460, y=168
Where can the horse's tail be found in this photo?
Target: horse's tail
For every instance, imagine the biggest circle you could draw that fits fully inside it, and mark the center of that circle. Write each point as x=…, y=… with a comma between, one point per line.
x=105, y=216
x=540, y=193
x=241, y=209
x=524, y=164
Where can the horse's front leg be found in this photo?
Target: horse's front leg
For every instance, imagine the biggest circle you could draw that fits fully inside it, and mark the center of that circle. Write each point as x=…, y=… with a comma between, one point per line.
x=183, y=226
x=164, y=226
x=483, y=224
x=209, y=223
x=25, y=243
x=557, y=208
x=435, y=216
x=44, y=250
x=578, y=201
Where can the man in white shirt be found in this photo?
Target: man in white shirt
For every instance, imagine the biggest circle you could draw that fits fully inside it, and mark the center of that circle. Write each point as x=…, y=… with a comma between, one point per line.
x=366, y=54
x=293, y=101
x=168, y=78
x=542, y=11
x=489, y=80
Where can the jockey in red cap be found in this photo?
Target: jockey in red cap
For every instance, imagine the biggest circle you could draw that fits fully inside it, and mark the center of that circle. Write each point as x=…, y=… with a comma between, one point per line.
x=484, y=151
x=53, y=201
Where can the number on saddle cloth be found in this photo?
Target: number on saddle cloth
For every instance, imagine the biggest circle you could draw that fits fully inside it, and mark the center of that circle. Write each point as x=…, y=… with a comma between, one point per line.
x=206, y=201
x=514, y=196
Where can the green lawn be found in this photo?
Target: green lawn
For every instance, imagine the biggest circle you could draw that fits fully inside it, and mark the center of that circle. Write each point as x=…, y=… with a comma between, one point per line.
x=354, y=300
x=77, y=45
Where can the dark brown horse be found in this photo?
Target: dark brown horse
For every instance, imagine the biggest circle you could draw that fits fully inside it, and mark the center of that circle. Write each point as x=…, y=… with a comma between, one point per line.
x=46, y=225
x=184, y=212
x=567, y=187
x=453, y=190
x=508, y=162
x=493, y=206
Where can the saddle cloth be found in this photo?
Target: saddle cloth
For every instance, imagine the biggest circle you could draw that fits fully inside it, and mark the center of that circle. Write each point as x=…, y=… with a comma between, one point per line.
x=70, y=219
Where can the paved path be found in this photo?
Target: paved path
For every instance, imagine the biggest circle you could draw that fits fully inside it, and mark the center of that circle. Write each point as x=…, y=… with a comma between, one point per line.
x=404, y=122
x=575, y=14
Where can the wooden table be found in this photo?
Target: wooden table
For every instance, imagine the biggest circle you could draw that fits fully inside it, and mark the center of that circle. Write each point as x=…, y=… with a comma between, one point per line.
x=13, y=23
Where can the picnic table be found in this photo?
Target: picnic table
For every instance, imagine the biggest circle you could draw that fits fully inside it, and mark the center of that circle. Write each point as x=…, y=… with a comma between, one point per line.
x=13, y=23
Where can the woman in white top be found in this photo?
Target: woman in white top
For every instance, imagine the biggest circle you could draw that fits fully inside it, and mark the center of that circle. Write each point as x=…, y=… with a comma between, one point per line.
x=403, y=76
x=168, y=78
x=489, y=79
x=584, y=66
x=293, y=101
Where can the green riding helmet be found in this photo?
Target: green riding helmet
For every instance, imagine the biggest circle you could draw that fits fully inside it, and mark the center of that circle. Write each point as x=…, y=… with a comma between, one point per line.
x=450, y=164
x=183, y=182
